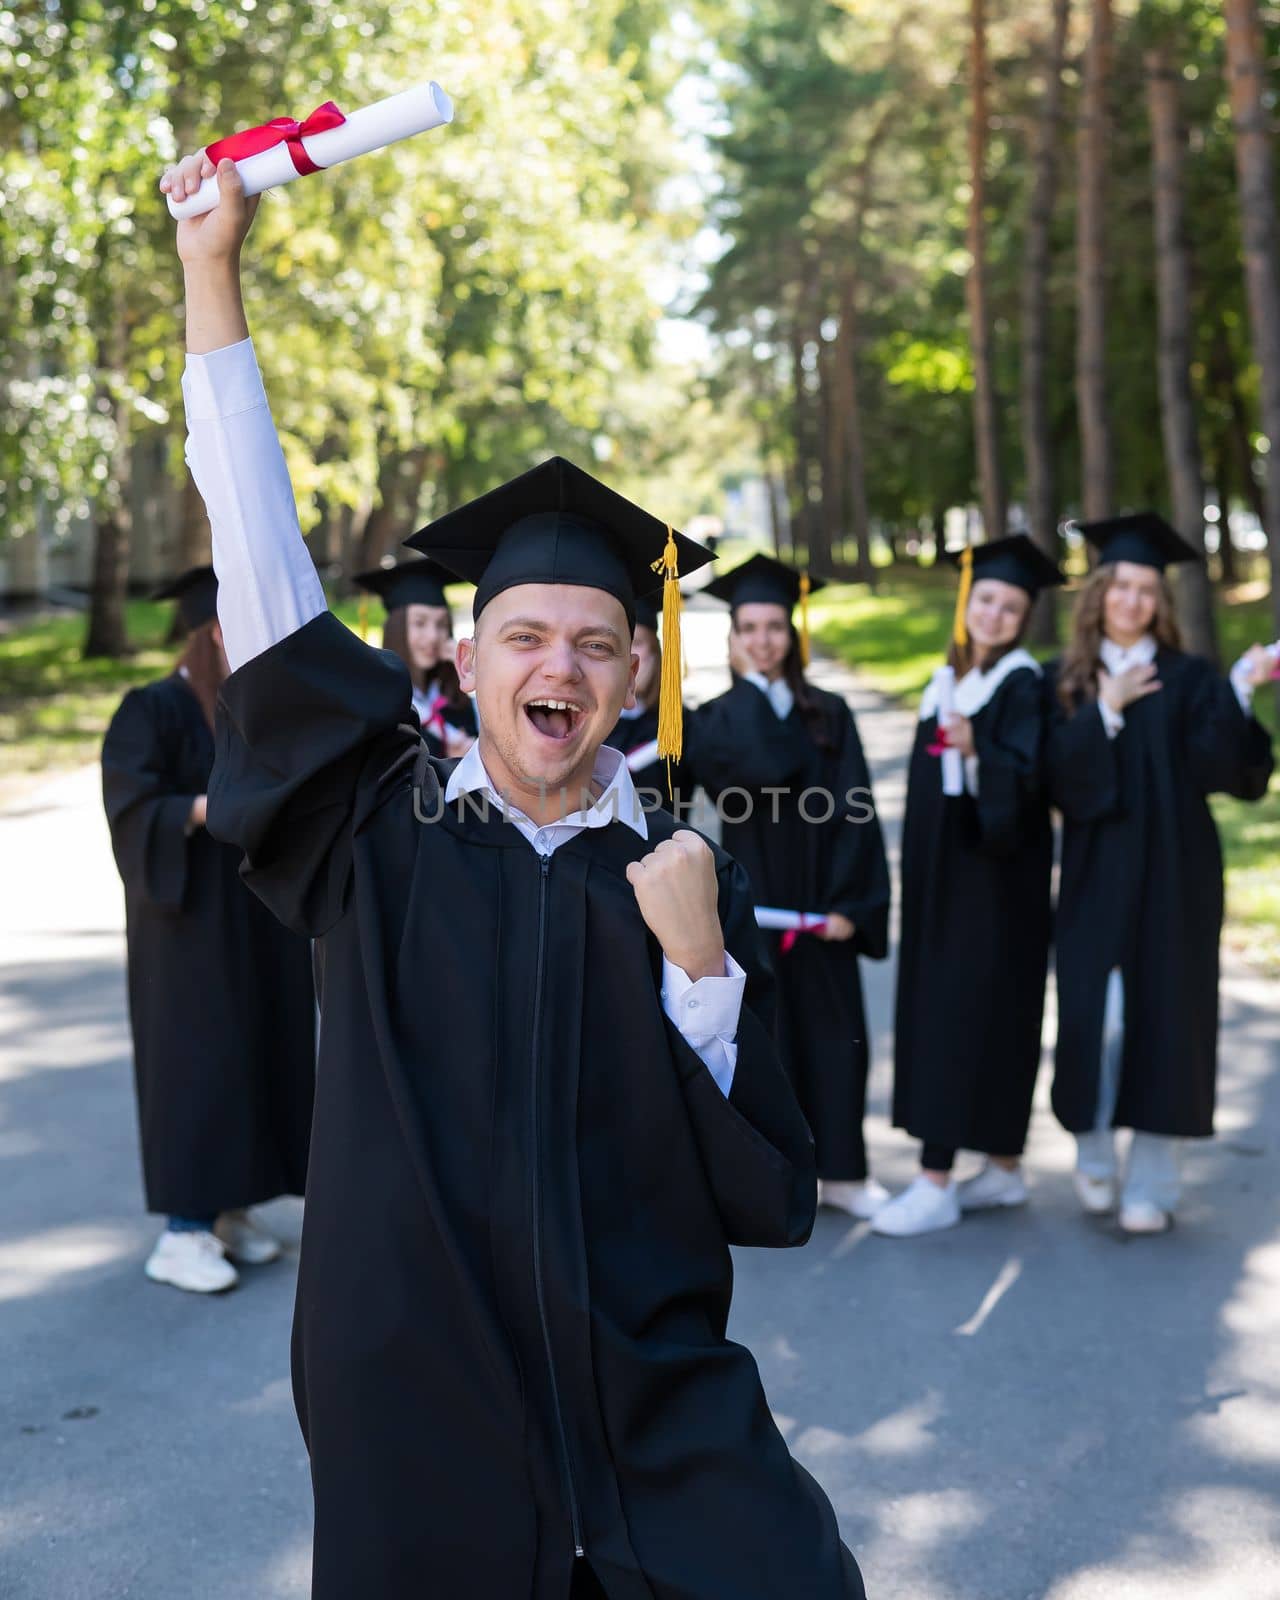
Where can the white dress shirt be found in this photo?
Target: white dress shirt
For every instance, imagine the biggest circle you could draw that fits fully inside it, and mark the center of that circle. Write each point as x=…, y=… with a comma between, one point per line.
x=268, y=588
x=777, y=692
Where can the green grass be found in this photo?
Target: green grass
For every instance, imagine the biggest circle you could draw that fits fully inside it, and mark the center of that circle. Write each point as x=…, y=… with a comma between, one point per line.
x=54, y=705
x=896, y=636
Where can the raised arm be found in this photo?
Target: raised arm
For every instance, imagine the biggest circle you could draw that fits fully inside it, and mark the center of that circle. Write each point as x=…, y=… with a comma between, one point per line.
x=267, y=583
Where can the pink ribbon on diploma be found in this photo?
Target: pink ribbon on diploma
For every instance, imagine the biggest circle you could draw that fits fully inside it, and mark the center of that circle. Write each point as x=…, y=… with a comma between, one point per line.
x=280, y=130
x=790, y=935
x=940, y=743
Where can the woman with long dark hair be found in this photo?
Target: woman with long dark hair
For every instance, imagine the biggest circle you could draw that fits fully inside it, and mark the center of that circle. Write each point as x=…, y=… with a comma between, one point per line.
x=783, y=762
x=1142, y=733
x=220, y=995
x=419, y=629
x=977, y=853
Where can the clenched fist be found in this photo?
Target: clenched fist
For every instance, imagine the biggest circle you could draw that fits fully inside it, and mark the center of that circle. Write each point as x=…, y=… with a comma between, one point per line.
x=675, y=887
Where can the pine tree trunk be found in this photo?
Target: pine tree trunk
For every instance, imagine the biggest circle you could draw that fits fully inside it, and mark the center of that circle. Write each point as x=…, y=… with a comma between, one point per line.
x=1178, y=422
x=1246, y=72
x=986, y=429
x=1222, y=488
x=1037, y=449
x=854, y=447
x=833, y=426
x=1097, y=478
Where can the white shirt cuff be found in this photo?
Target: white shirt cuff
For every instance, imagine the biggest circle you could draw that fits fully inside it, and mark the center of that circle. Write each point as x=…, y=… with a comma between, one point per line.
x=706, y=1012
x=1112, y=721
x=223, y=383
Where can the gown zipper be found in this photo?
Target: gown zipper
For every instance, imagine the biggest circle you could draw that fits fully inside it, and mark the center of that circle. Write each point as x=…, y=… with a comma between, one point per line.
x=575, y=1520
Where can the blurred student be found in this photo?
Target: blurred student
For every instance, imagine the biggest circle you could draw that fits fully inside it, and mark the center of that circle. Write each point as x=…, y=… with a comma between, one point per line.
x=783, y=761
x=976, y=866
x=636, y=733
x=419, y=629
x=220, y=995
x=1142, y=733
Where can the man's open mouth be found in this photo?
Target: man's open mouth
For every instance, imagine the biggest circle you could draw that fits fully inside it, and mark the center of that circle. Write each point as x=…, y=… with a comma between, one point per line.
x=554, y=719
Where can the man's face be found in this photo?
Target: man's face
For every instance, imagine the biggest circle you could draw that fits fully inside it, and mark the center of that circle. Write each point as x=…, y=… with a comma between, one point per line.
x=551, y=666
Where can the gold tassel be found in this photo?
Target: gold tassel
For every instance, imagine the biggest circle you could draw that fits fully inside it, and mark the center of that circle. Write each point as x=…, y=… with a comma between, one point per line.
x=670, y=704
x=959, y=628
x=805, y=651
x=364, y=617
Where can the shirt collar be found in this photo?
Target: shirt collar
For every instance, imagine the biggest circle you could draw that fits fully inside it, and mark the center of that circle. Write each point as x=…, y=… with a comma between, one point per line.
x=1116, y=660
x=618, y=799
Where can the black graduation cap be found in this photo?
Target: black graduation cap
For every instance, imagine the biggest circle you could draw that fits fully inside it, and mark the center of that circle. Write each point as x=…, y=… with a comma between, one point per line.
x=557, y=524
x=407, y=583
x=761, y=579
x=1143, y=537
x=1017, y=559
x=646, y=613
x=196, y=592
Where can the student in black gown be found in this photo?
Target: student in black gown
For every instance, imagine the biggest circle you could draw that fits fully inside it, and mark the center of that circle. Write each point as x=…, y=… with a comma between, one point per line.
x=1142, y=734
x=220, y=996
x=783, y=762
x=976, y=865
x=636, y=733
x=548, y=1099
x=419, y=629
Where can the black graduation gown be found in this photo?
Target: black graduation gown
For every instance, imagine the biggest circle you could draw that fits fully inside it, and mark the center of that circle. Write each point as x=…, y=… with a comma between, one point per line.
x=739, y=749
x=974, y=948
x=509, y=1338
x=220, y=996
x=1141, y=889
x=633, y=733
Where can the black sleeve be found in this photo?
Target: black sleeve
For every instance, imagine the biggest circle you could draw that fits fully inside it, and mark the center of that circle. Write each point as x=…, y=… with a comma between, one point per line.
x=312, y=736
x=755, y=1144
x=859, y=887
x=1229, y=749
x=739, y=742
x=146, y=812
x=1081, y=765
x=1009, y=744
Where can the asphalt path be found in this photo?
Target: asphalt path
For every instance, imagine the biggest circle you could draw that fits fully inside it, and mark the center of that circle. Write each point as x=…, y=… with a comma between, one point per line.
x=1028, y=1407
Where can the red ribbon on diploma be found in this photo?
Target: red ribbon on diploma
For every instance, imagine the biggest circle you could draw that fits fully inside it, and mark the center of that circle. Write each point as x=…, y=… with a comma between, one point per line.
x=280, y=130
x=791, y=935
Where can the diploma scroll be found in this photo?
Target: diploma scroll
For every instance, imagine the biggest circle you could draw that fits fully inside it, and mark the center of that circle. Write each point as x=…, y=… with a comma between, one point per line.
x=790, y=924
x=944, y=683
x=642, y=756
x=292, y=149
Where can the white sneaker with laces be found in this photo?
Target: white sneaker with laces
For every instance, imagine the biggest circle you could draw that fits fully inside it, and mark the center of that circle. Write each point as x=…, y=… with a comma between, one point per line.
x=923, y=1207
x=861, y=1200
x=993, y=1186
x=192, y=1261
x=245, y=1240
x=1142, y=1216
x=1096, y=1195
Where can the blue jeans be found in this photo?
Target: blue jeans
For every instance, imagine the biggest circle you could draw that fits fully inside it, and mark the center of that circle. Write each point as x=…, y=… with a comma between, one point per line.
x=191, y=1224
x=1151, y=1173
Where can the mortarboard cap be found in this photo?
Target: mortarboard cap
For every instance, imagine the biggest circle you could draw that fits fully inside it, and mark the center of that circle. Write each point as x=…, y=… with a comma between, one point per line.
x=196, y=592
x=762, y=580
x=646, y=613
x=557, y=524
x=407, y=583
x=1143, y=537
x=1017, y=559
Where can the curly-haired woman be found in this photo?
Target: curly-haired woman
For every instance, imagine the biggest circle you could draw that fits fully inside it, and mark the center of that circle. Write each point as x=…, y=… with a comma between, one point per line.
x=1142, y=733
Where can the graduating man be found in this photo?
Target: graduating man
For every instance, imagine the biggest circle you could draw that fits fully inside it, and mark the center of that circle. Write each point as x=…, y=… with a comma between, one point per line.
x=548, y=1100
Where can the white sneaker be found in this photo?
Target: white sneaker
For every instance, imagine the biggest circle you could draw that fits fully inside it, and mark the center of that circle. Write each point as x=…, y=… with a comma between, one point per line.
x=862, y=1199
x=245, y=1240
x=993, y=1186
x=1141, y=1216
x=1096, y=1195
x=923, y=1207
x=192, y=1261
